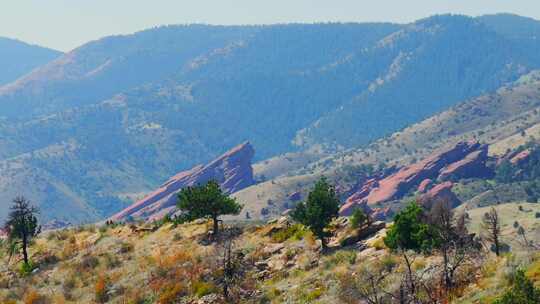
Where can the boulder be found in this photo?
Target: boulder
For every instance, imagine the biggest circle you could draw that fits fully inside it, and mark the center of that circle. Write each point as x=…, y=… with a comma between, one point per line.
x=360, y=234
x=273, y=249
x=231, y=170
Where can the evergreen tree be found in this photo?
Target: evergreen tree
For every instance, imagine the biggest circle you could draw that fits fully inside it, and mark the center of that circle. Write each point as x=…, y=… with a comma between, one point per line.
x=359, y=218
x=22, y=226
x=411, y=230
x=207, y=201
x=317, y=212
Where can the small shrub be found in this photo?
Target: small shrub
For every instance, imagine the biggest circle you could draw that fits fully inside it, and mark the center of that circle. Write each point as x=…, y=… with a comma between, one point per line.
x=33, y=297
x=111, y=261
x=201, y=289
x=295, y=232
x=27, y=268
x=358, y=218
x=88, y=262
x=342, y=257
x=125, y=248
x=312, y=295
x=100, y=290
x=171, y=293
x=388, y=262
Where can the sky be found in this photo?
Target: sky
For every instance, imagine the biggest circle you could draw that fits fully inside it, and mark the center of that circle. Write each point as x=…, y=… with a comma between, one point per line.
x=66, y=24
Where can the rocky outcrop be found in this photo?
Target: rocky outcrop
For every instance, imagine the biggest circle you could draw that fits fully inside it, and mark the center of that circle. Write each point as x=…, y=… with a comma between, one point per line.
x=465, y=159
x=357, y=199
x=232, y=171
x=350, y=237
x=440, y=193
x=425, y=185
x=473, y=165
x=520, y=157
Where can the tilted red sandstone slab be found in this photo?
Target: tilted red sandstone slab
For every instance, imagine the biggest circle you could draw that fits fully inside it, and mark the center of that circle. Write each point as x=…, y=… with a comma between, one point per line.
x=409, y=177
x=232, y=171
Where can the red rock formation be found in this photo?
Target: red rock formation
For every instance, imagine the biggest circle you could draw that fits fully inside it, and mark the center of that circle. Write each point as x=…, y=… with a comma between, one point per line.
x=425, y=185
x=232, y=171
x=473, y=165
x=440, y=193
x=520, y=157
x=357, y=199
x=398, y=184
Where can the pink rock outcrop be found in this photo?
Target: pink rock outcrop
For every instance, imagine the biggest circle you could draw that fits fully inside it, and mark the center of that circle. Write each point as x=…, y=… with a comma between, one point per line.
x=520, y=157
x=463, y=159
x=425, y=185
x=440, y=193
x=472, y=165
x=231, y=170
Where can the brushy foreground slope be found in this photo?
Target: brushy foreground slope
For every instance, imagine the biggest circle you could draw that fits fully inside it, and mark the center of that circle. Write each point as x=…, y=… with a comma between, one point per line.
x=281, y=263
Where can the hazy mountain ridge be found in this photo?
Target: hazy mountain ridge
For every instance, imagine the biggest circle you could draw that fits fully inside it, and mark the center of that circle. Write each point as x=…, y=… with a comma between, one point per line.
x=18, y=58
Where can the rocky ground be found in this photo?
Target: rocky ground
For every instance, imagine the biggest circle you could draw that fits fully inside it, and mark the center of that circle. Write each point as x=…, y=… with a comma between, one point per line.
x=276, y=262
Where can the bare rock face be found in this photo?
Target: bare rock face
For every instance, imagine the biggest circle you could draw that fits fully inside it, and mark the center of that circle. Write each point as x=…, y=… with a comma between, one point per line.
x=520, y=157
x=473, y=165
x=357, y=199
x=440, y=193
x=465, y=159
x=232, y=171
x=425, y=185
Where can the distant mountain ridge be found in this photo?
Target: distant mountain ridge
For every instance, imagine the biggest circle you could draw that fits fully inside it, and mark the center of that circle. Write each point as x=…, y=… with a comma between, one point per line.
x=18, y=58
x=115, y=117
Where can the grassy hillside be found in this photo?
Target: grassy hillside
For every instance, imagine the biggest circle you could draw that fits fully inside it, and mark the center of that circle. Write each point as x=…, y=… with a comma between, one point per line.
x=280, y=264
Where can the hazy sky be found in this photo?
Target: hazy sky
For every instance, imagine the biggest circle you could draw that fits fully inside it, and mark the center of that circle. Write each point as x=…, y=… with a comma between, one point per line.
x=65, y=24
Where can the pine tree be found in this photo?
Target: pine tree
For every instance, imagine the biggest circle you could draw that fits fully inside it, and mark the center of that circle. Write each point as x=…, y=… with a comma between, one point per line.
x=207, y=201
x=22, y=225
x=317, y=212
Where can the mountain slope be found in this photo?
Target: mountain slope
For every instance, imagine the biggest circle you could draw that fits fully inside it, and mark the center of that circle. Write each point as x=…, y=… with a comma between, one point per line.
x=503, y=119
x=448, y=63
x=18, y=58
